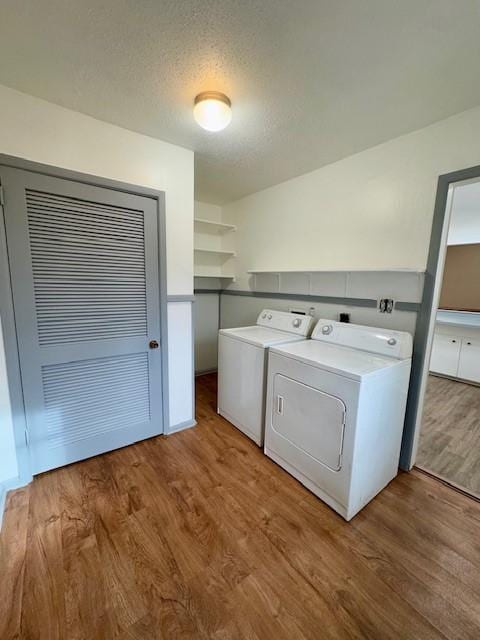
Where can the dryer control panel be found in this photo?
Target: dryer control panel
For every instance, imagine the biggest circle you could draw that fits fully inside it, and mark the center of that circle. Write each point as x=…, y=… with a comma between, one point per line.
x=386, y=342
x=285, y=321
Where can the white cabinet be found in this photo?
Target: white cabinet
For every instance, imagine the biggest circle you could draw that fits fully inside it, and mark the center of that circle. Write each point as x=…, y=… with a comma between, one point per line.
x=456, y=357
x=445, y=354
x=469, y=361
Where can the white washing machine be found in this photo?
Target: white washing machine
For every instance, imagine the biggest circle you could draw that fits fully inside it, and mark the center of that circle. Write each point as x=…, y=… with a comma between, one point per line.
x=336, y=408
x=242, y=366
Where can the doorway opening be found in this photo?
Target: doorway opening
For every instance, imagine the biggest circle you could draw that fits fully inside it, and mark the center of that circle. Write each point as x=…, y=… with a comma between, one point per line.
x=449, y=441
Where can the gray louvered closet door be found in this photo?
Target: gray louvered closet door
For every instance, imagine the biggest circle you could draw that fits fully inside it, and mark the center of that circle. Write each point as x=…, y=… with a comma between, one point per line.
x=85, y=278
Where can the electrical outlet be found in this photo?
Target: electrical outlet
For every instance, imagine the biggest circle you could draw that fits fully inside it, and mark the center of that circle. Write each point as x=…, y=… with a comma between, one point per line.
x=385, y=305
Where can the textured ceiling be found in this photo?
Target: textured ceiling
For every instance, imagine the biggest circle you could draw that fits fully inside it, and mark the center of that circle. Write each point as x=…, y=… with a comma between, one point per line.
x=311, y=81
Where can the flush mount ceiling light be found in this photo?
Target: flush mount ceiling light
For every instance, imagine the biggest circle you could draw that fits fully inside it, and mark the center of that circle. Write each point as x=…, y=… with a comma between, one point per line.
x=212, y=110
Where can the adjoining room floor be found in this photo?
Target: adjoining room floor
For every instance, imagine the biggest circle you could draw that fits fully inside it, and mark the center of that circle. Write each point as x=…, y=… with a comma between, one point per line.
x=450, y=439
x=198, y=535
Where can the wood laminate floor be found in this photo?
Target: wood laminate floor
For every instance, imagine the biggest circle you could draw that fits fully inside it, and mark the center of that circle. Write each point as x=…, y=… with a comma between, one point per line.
x=450, y=439
x=199, y=535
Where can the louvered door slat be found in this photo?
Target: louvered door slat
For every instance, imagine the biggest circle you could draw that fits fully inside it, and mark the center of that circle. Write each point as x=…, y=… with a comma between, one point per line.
x=51, y=244
x=93, y=398
x=86, y=292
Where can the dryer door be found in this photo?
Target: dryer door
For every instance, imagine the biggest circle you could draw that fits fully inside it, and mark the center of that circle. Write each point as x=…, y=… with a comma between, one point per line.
x=313, y=421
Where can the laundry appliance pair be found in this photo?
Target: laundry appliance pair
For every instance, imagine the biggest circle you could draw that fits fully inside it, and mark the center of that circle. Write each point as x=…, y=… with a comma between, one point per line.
x=329, y=410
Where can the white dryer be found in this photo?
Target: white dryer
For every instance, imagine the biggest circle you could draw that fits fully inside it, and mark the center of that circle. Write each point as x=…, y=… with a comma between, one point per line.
x=336, y=408
x=242, y=366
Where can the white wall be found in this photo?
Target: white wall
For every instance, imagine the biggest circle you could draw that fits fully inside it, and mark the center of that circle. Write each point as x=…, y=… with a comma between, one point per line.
x=208, y=238
x=372, y=210
x=206, y=315
x=465, y=219
x=180, y=364
x=43, y=132
x=207, y=211
x=40, y=131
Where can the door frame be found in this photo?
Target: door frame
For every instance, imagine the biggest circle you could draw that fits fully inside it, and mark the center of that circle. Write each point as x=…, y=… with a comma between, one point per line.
x=7, y=313
x=422, y=344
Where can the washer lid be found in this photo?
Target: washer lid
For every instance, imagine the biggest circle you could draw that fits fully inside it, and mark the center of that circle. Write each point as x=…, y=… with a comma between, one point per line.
x=261, y=336
x=344, y=361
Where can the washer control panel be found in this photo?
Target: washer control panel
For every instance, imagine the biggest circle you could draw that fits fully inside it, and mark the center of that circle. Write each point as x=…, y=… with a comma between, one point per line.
x=388, y=342
x=286, y=321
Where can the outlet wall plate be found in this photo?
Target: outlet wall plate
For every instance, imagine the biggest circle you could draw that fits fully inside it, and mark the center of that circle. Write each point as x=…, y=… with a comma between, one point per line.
x=385, y=305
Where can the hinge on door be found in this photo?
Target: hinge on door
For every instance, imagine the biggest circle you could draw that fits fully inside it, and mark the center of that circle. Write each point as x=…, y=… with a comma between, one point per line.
x=27, y=438
x=340, y=460
x=2, y=196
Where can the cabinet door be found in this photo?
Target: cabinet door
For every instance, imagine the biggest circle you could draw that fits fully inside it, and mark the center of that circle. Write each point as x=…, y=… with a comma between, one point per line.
x=469, y=363
x=445, y=354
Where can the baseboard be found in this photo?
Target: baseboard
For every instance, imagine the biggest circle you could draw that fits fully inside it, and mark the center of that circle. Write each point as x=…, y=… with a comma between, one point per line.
x=181, y=426
x=444, y=480
x=3, y=496
x=472, y=383
x=5, y=487
x=206, y=372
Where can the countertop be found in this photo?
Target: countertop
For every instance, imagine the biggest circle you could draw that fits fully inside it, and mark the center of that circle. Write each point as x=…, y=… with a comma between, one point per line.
x=459, y=318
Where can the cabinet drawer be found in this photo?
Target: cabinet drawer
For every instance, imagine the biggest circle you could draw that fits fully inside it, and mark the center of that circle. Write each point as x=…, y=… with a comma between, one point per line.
x=445, y=354
x=469, y=362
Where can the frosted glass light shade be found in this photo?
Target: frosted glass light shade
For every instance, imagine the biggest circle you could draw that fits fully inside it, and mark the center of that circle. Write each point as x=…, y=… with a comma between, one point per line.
x=212, y=110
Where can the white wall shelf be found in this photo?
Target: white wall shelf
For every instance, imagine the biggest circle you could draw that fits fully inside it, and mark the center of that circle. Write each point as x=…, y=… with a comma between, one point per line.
x=219, y=276
x=274, y=271
x=219, y=252
x=405, y=285
x=213, y=246
x=220, y=227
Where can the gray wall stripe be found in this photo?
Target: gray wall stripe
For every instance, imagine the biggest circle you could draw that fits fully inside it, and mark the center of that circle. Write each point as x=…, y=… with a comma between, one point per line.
x=407, y=306
x=181, y=298
x=199, y=291
x=351, y=302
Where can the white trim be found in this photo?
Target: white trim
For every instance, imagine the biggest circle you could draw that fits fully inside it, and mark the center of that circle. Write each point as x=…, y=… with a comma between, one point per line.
x=431, y=323
x=181, y=426
x=5, y=487
x=3, y=496
x=205, y=372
